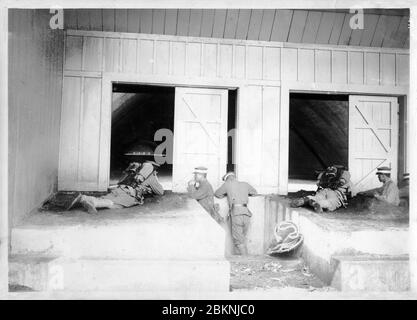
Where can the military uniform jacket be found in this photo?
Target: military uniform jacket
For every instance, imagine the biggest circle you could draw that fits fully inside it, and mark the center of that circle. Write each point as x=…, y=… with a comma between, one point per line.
x=389, y=192
x=237, y=192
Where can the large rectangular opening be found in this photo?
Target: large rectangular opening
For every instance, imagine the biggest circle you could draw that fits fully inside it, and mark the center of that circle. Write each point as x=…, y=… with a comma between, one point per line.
x=138, y=112
x=141, y=111
x=318, y=138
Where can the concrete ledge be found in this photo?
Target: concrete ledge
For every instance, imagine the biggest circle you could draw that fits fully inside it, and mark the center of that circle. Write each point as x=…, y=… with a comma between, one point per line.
x=181, y=234
x=371, y=273
x=359, y=240
x=48, y=274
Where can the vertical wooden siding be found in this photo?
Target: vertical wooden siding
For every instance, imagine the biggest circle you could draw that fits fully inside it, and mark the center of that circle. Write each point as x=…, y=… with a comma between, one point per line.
x=35, y=87
x=258, y=67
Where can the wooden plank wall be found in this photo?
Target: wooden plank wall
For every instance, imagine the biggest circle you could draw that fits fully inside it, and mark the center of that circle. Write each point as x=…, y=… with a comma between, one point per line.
x=382, y=28
x=35, y=87
x=258, y=68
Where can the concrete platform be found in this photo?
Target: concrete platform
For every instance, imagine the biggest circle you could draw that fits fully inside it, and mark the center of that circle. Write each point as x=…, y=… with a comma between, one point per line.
x=174, y=245
x=371, y=273
x=350, y=251
x=49, y=274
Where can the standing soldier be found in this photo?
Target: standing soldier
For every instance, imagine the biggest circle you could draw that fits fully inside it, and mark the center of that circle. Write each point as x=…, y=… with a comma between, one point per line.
x=202, y=191
x=237, y=193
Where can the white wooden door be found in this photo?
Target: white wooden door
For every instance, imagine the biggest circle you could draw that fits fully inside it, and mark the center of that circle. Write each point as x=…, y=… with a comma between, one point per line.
x=373, y=139
x=200, y=135
x=80, y=159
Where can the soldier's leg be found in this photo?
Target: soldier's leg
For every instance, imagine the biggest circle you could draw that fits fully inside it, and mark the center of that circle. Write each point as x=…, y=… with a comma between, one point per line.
x=314, y=201
x=238, y=234
x=103, y=203
x=299, y=202
x=328, y=201
x=88, y=203
x=91, y=204
x=246, y=222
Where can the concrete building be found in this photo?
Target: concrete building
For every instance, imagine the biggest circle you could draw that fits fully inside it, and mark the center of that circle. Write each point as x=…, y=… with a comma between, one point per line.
x=267, y=93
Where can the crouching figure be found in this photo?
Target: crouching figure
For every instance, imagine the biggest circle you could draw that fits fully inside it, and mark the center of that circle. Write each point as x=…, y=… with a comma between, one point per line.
x=333, y=187
x=386, y=195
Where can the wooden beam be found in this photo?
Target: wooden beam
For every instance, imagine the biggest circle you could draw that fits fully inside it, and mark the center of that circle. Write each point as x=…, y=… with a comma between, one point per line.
x=312, y=26
x=298, y=24
x=207, y=23
x=281, y=26
x=231, y=23
x=243, y=24
x=266, y=26
x=255, y=23
x=171, y=21
x=158, y=21
x=4, y=224
x=219, y=23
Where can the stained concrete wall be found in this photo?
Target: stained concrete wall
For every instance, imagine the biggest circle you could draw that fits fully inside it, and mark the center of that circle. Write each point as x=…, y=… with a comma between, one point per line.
x=35, y=87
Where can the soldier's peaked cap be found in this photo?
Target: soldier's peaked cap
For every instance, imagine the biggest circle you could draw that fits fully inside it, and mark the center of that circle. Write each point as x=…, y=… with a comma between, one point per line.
x=383, y=170
x=202, y=170
x=231, y=173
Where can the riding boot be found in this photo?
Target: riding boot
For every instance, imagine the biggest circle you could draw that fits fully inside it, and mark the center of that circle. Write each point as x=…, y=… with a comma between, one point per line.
x=88, y=204
x=316, y=206
x=299, y=202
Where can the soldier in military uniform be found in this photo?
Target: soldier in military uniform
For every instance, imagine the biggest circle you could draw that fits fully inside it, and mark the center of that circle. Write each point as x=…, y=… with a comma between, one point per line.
x=333, y=187
x=237, y=193
x=388, y=193
x=123, y=195
x=201, y=190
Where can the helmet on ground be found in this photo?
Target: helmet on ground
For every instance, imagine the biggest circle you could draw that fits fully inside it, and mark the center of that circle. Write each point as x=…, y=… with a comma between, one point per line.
x=287, y=238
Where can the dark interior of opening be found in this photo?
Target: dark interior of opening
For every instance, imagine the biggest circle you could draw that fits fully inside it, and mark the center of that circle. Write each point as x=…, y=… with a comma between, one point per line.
x=138, y=111
x=318, y=133
x=231, y=126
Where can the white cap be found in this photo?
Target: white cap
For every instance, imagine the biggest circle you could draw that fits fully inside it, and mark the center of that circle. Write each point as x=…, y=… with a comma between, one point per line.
x=383, y=170
x=201, y=170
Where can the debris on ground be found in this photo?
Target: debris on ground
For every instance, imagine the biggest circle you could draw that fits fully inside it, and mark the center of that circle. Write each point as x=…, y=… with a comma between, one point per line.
x=266, y=272
x=272, y=266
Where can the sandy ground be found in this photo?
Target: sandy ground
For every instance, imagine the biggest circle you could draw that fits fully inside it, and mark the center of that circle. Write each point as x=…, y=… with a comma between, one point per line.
x=266, y=272
x=169, y=202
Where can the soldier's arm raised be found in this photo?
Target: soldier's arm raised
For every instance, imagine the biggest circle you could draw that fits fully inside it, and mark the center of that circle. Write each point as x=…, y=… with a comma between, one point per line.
x=199, y=193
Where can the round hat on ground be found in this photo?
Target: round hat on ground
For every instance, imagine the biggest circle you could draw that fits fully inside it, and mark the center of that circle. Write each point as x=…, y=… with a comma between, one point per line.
x=230, y=173
x=383, y=170
x=200, y=170
x=287, y=238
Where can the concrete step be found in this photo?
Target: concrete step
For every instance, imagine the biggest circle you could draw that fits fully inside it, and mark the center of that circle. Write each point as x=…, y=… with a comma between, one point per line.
x=183, y=234
x=42, y=273
x=371, y=273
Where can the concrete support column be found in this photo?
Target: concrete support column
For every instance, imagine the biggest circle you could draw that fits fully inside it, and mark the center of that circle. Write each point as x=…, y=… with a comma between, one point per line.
x=412, y=120
x=4, y=227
